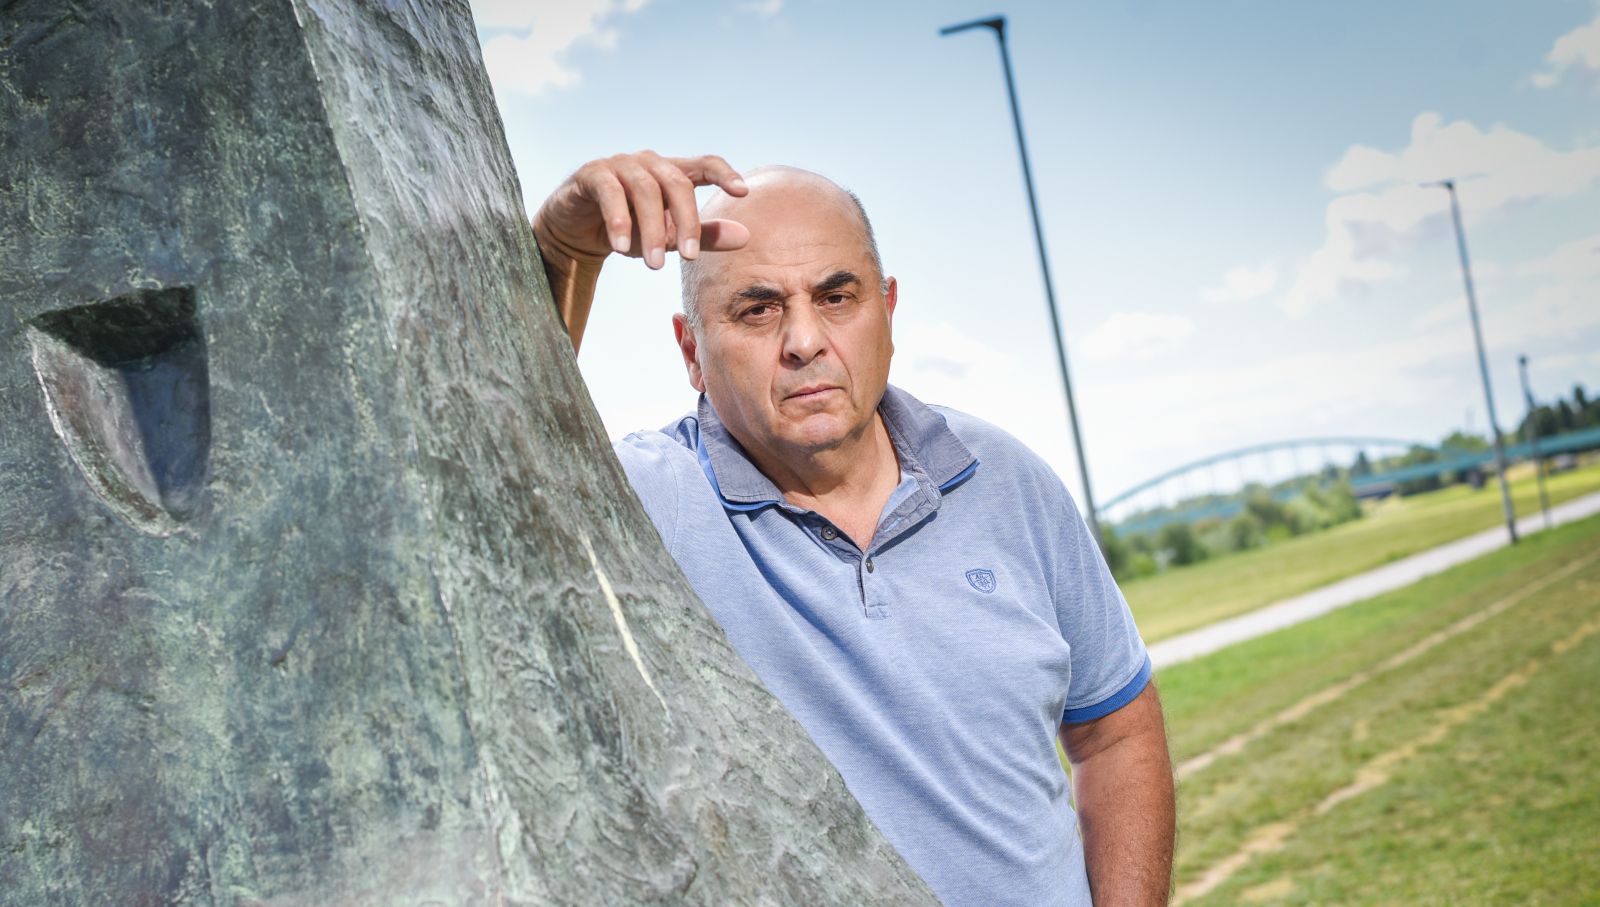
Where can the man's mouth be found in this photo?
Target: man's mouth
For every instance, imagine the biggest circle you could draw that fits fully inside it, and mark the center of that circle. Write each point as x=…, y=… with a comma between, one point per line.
x=810, y=391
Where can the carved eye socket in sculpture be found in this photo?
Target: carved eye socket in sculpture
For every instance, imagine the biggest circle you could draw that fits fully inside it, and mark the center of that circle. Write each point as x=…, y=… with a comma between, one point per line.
x=128, y=391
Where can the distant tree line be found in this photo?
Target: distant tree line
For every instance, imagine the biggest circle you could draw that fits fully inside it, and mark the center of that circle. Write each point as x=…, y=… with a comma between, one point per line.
x=1564, y=415
x=1293, y=508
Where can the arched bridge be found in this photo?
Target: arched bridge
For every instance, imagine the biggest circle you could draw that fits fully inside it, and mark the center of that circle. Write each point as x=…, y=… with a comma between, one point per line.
x=1306, y=456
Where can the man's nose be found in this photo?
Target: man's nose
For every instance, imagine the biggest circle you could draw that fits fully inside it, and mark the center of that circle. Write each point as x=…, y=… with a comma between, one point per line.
x=804, y=334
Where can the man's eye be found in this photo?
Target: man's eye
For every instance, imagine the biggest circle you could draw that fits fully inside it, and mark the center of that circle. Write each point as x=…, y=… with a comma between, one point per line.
x=836, y=299
x=759, y=312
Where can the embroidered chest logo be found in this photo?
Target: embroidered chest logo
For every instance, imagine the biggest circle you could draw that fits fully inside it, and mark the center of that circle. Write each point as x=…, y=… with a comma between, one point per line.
x=981, y=580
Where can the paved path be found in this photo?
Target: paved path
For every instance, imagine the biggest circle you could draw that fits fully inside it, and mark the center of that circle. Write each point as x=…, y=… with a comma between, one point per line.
x=1347, y=591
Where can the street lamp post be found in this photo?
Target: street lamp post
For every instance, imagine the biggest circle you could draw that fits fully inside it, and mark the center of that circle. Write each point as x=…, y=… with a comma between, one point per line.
x=998, y=26
x=1533, y=439
x=1483, y=362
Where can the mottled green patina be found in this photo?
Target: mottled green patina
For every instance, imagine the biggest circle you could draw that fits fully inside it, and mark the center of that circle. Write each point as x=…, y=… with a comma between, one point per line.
x=318, y=581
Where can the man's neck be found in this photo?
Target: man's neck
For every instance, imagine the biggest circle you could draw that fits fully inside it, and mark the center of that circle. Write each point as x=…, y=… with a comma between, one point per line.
x=848, y=484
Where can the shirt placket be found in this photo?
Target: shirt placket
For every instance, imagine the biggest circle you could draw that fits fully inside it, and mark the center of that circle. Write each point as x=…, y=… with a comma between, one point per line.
x=873, y=605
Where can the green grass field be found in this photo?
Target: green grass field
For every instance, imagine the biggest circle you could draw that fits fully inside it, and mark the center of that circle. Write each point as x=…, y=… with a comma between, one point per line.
x=1190, y=597
x=1435, y=745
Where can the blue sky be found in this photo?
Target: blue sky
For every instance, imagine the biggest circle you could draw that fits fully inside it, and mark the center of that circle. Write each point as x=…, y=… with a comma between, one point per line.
x=1229, y=191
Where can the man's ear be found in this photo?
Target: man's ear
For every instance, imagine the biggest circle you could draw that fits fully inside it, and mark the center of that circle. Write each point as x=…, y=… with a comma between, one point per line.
x=689, y=346
x=891, y=295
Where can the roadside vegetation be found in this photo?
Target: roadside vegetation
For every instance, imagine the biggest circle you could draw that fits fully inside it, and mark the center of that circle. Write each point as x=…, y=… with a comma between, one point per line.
x=1206, y=527
x=1179, y=600
x=1266, y=516
x=1432, y=745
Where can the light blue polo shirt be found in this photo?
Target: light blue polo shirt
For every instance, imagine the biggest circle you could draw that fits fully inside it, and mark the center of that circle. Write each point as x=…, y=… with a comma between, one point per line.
x=934, y=669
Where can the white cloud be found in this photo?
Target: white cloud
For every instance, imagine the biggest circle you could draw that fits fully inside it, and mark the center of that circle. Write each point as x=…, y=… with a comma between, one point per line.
x=1136, y=336
x=1501, y=164
x=1385, y=212
x=1567, y=362
x=1244, y=283
x=941, y=363
x=1552, y=297
x=1547, y=319
x=1578, y=259
x=767, y=8
x=1448, y=311
x=941, y=355
x=518, y=14
x=524, y=43
x=1547, y=306
x=1208, y=410
x=1577, y=52
x=1557, y=309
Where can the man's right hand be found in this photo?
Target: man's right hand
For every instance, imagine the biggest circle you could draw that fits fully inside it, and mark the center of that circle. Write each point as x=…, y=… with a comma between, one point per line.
x=640, y=205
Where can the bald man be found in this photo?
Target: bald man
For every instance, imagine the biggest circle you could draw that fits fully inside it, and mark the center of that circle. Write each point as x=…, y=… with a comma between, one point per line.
x=912, y=583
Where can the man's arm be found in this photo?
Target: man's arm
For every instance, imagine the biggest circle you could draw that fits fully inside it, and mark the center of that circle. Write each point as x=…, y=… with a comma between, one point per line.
x=640, y=205
x=1122, y=786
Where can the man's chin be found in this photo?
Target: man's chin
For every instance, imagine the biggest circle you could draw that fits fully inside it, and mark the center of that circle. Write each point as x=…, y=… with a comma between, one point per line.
x=818, y=433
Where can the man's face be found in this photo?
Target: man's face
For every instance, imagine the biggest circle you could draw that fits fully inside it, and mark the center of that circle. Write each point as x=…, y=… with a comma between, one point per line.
x=794, y=345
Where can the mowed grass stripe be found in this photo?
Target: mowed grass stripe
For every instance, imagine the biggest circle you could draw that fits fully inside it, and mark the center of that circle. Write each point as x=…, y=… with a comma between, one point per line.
x=1297, y=766
x=1224, y=695
x=1305, y=707
x=1503, y=812
x=1245, y=809
x=1379, y=770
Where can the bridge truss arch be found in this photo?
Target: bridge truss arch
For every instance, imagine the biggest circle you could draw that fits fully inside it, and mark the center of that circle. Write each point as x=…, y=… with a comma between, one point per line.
x=1203, y=476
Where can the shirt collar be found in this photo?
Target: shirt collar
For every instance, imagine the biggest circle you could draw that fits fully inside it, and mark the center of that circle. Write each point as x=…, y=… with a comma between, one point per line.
x=928, y=450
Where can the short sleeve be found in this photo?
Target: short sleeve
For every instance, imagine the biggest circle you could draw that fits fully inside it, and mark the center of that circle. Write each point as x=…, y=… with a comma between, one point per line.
x=1110, y=665
x=647, y=459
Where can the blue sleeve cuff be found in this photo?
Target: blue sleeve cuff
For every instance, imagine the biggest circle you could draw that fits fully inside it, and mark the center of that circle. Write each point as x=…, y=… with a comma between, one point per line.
x=1115, y=701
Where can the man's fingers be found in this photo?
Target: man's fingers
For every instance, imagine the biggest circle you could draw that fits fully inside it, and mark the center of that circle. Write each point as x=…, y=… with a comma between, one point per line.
x=712, y=170
x=678, y=193
x=603, y=186
x=721, y=235
x=649, y=215
x=646, y=206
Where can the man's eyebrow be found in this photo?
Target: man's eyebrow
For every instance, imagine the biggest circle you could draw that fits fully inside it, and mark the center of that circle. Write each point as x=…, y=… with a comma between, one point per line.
x=836, y=280
x=763, y=293
x=759, y=293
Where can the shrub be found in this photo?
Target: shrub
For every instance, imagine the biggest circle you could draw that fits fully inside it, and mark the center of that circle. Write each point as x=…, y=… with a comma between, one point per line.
x=1179, y=542
x=1244, y=532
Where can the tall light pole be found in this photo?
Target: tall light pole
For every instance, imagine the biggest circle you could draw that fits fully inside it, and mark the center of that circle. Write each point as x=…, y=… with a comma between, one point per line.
x=1483, y=362
x=998, y=26
x=1533, y=439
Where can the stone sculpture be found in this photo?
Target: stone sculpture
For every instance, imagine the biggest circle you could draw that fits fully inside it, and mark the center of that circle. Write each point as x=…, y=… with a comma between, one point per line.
x=318, y=581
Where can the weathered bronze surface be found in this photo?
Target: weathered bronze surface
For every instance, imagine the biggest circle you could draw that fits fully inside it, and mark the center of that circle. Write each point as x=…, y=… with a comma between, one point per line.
x=318, y=581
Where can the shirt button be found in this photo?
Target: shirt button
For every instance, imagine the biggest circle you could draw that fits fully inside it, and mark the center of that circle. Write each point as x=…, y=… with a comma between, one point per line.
x=869, y=565
x=829, y=533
